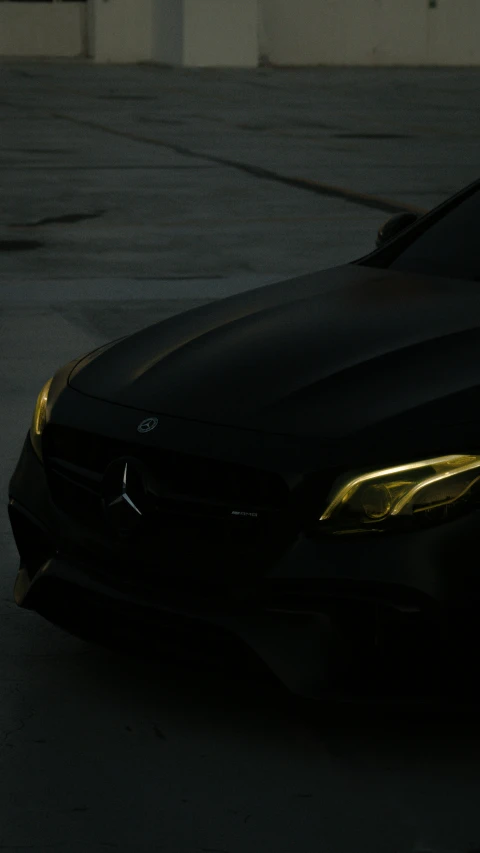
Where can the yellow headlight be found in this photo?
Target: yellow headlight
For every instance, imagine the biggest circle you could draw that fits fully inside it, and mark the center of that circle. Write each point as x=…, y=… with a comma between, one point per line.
x=40, y=413
x=371, y=499
x=40, y=417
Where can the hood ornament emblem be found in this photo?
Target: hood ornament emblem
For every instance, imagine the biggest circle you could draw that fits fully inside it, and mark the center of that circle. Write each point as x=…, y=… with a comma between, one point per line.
x=147, y=425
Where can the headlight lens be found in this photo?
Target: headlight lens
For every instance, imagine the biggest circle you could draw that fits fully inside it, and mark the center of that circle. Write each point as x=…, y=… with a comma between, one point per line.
x=430, y=491
x=40, y=418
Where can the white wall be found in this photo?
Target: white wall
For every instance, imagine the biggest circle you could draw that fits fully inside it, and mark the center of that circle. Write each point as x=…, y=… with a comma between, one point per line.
x=343, y=32
x=370, y=32
x=454, y=33
x=220, y=33
x=176, y=32
x=122, y=30
x=236, y=32
x=202, y=33
x=43, y=29
x=167, y=31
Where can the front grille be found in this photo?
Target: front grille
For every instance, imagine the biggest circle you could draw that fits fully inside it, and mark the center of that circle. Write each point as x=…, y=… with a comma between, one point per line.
x=193, y=521
x=183, y=475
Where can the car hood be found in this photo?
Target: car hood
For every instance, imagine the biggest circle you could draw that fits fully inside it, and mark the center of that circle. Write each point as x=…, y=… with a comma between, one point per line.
x=323, y=355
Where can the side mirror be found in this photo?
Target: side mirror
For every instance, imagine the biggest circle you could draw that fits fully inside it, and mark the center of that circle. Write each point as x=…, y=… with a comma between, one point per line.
x=394, y=226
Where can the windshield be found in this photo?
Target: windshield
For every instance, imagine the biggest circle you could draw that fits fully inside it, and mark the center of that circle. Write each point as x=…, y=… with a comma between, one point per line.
x=449, y=248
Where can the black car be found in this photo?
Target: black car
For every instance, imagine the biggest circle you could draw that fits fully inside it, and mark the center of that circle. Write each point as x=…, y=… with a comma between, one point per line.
x=295, y=469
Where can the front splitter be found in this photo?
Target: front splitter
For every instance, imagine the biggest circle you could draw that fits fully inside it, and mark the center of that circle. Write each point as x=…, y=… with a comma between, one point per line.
x=296, y=647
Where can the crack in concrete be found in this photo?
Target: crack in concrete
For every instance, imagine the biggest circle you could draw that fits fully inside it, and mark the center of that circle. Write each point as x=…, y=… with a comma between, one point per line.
x=158, y=732
x=124, y=167
x=363, y=199
x=212, y=850
x=319, y=188
x=20, y=245
x=64, y=219
x=40, y=846
x=23, y=721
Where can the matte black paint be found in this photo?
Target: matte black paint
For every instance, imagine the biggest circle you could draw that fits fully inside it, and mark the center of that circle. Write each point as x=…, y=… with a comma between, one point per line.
x=325, y=355
x=355, y=367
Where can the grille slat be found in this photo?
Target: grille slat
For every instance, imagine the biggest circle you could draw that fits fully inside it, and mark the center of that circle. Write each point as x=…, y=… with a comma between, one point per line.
x=75, y=481
x=82, y=473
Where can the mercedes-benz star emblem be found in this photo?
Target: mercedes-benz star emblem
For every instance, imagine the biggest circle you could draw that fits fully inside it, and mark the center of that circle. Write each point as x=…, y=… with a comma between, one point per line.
x=147, y=425
x=124, y=496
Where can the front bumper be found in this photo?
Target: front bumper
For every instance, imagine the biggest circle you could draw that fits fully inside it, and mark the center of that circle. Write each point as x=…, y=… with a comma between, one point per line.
x=331, y=616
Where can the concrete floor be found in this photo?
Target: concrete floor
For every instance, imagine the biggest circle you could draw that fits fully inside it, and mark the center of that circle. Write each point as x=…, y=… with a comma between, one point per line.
x=141, y=192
